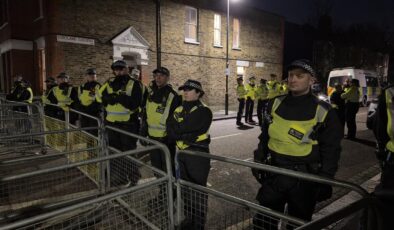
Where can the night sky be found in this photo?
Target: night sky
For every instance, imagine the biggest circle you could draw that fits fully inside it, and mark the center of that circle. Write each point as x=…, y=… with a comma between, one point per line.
x=343, y=12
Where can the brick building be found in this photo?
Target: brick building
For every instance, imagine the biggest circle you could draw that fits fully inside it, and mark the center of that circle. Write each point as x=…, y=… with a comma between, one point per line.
x=40, y=38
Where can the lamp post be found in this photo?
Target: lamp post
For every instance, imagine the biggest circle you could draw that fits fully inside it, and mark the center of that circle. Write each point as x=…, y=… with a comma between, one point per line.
x=227, y=61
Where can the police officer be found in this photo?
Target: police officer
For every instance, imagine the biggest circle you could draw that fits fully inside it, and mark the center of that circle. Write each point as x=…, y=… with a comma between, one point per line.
x=66, y=96
x=21, y=92
x=385, y=153
x=189, y=127
x=49, y=98
x=121, y=97
x=161, y=102
x=87, y=98
x=250, y=97
x=262, y=97
x=352, y=104
x=338, y=103
x=273, y=87
x=300, y=134
x=241, y=93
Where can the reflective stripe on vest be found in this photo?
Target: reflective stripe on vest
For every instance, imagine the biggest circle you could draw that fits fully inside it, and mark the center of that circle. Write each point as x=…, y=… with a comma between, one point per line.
x=157, y=117
x=118, y=112
x=390, y=112
x=63, y=100
x=178, y=117
x=292, y=138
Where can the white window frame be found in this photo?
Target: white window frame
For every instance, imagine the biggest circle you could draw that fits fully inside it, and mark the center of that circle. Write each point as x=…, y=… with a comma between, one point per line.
x=236, y=34
x=189, y=22
x=217, y=30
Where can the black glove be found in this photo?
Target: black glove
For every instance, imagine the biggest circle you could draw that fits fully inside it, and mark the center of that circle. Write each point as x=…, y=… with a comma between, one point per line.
x=380, y=151
x=188, y=137
x=110, y=99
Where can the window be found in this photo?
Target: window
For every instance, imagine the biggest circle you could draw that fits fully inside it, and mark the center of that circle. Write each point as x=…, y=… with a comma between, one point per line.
x=236, y=32
x=191, y=25
x=216, y=30
x=3, y=12
x=240, y=71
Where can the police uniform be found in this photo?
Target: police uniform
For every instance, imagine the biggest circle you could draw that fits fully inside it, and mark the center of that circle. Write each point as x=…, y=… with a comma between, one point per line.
x=352, y=104
x=22, y=92
x=250, y=97
x=300, y=133
x=160, y=105
x=273, y=87
x=87, y=100
x=262, y=97
x=384, y=132
x=121, y=97
x=49, y=98
x=241, y=94
x=338, y=104
x=189, y=127
x=66, y=96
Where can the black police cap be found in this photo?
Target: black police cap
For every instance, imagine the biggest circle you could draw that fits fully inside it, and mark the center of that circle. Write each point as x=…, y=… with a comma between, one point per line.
x=119, y=64
x=304, y=64
x=162, y=70
x=91, y=71
x=192, y=84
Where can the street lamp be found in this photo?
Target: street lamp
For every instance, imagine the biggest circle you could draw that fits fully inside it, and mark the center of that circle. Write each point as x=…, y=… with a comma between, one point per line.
x=227, y=61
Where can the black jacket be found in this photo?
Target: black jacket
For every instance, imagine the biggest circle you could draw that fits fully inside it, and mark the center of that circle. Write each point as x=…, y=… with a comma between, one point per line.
x=301, y=108
x=194, y=124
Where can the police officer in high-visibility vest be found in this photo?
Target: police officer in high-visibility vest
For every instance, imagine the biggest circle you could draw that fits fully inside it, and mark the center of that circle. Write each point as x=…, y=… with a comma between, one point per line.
x=161, y=102
x=338, y=103
x=352, y=104
x=250, y=97
x=299, y=133
x=283, y=89
x=66, y=96
x=262, y=99
x=121, y=97
x=21, y=93
x=384, y=132
x=273, y=87
x=189, y=127
x=87, y=98
x=16, y=88
x=48, y=97
x=241, y=94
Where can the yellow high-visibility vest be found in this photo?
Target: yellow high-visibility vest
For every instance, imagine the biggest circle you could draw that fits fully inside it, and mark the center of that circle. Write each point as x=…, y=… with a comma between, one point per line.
x=157, y=115
x=63, y=100
x=292, y=138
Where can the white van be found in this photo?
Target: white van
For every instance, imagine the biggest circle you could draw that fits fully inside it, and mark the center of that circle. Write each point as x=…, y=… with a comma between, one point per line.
x=369, y=86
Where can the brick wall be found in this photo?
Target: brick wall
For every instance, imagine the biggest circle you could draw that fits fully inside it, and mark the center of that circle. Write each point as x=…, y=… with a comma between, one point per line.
x=102, y=20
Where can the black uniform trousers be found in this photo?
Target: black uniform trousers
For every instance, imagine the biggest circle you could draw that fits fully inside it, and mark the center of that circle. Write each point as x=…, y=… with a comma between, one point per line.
x=261, y=109
x=384, y=192
x=240, y=109
x=196, y=170
x=123, y=170
x=277, y=191
x=351, y=111
x=249, y=109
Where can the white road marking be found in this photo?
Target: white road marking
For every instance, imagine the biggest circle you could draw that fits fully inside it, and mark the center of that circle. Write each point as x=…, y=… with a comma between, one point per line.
x=230, y=135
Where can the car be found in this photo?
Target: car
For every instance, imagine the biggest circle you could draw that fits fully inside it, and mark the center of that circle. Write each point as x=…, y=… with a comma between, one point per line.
x=372, y=113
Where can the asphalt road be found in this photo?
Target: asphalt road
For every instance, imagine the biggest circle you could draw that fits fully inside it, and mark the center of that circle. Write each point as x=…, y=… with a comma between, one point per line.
x=357, y=163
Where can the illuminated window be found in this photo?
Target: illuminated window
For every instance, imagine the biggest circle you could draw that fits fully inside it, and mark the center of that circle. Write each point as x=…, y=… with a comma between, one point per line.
x=236, y=32
x=191, y=24
x=216, y=30
x=240, y=70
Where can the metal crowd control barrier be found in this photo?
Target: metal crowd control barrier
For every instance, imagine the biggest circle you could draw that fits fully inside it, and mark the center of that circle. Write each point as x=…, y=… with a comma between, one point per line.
x=63, y=197
x=19, y=118
x=224, y=211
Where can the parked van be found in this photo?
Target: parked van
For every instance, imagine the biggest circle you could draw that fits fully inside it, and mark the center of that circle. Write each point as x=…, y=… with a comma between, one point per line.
x=369, y=85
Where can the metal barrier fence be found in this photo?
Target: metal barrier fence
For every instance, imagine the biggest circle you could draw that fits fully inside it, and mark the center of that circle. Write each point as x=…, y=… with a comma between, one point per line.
x=215, y=209
x=68, y=199
x=19, y=118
